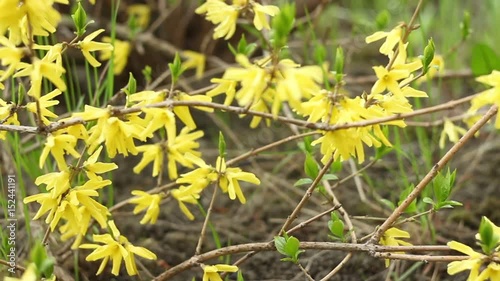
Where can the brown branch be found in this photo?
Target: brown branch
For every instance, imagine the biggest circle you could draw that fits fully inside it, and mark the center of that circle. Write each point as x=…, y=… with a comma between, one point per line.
x=431, y=174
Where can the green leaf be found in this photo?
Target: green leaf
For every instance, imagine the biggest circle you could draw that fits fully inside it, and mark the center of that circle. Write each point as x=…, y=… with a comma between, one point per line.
x=282, y=24
x=484, y=60
x=428, y=200
x=388, y=203
x=222, y=145
x=428, y=56
x=383, y=18
x=465, y=26
x=292, y=246
x=279, y=243
x=148, y=74
x=336, y=228
x=339, y=64
x=175, y=68
x=303, y=181
x=319, y=53
x=131, y=86
x=239, y=277
x=489, y=239
x=329, y=177
x=311, y=167
x=80, y=20
x=413, y=206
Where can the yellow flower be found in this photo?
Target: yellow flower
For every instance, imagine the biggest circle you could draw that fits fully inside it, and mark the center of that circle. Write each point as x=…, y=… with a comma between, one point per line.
x=224, y=86
x=58, y=145
x=388, y=80
x=490, y=96
x=141, y=12
x=28, y=275
x=229, y=178
x=121, y=51
x=11, y=56
x=39, y=69
x=390, y=238
x=92, y=167
x=194, y=60
x=57, y=182
x=183, y=113
x=116, y=133
x=151, y=202
x=260, y=19
x=44, y=102
x=473, y=263
x=157, y=118
x=179, y=146
x=116, y=248
x=6, y=116
x=453, y=132
x=393, y=37
x=81, y=195
x=210, y=272
x=492, y=272
x=186, y=194
x=436, y=66
x=218, y=12
x=87, y=46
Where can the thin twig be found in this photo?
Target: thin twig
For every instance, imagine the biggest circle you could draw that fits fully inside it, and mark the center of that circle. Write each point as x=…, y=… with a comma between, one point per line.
x=432, y=173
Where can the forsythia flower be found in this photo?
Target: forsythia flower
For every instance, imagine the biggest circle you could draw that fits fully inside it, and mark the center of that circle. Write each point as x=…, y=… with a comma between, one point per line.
x=388, y=80
x=141, y=12
x=87, y=46
x=44, y=102
x=58, y=145
x=210, y=271
x=121, y=51
x=490, y=96
x=222, y=14
x=390, y=238
x=116, y=248
x=183, y=111
x=218, y=12
x=151, y=202
x=39, y=69
x=194, y=60
x=175, y=147
x=9, y=55
x=261, y=12
x=229, y=178
x=7, y=116
x=476, y=260
x=392, y=38
x=92, y=167
x=186, y=194
x=28, y=275
x=116, y=133
x=451, y=131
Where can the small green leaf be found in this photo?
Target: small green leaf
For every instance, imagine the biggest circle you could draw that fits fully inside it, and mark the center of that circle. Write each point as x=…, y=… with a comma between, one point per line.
x=465, y=26
x=292, y=246
x=239, y=277
x=80, y=20
x=484, y=60
x=148, y=74
x=489, y=240
x=311, y=167
x=428, y=200
x=336, y=228
x=175, y=68
x=303, y=181
x=131, y=86
x=388, y=203
x=279, y=243
x=282, y=24
x=319, y=53
x=222, y=145
x=382, y=20
x=329, y=177
x=428, y=56
x=413, y=206
x=339, y=64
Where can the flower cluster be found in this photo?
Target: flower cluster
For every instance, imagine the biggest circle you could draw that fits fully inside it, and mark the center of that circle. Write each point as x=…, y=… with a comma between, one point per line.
x=488, y=261
x=490, y=96
x=227, y=178
x=219, y=12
